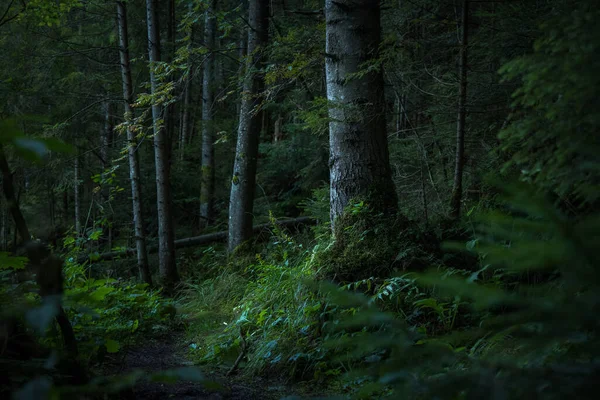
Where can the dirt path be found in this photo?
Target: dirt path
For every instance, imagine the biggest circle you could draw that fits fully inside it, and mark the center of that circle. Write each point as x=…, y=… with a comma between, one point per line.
x=168, y=353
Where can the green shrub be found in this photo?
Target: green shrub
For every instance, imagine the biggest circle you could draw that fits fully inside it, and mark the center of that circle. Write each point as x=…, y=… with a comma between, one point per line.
x=553, y=138
x=276, y=320
x=534, y=338
x=106, y=315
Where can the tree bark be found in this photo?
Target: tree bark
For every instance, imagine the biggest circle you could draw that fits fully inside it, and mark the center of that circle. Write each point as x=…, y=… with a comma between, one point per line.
x=207, y=189
x=3, y=226
x=170, y=53
x=242, y=52
x=359, y=158
x=196, y=105
x=455, y=201
x=166, y=254
x=186, y=114
x=105, y=156
x=77, y=199
x=243, y=183
x=132, y=146
x=11, y=200
x=105, y=139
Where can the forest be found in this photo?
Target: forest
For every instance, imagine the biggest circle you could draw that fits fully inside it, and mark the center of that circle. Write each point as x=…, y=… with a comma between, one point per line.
x=299, y=199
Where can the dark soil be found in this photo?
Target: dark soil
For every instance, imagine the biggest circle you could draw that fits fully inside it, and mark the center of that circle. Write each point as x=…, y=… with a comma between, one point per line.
x=170, y=352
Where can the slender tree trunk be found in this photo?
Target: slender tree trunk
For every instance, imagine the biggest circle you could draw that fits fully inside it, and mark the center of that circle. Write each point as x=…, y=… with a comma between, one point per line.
x=52, y=207
x=207, y=190
x=166, y=235
x=77, y=197
x=105, y=155
x=359, y=158
x=397, y=115
x=170, y=111
x=132, y=146
x=243, y=183
x=424, y=194
x=180, y=131
x=196, y=104
x=278, y=129
x=11, y=200
x=104, y=148
x=242, y=52
x=455, y=201
x=65, y=207
x=186, y=115
x=3, y=226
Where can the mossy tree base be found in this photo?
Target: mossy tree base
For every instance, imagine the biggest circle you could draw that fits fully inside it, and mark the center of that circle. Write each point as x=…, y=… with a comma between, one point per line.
x=366, y=244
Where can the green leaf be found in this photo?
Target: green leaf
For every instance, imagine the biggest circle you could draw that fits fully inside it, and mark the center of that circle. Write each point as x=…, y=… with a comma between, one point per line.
x=9, y=262
x=112, y=346
x=100, y=293
x=96, y=234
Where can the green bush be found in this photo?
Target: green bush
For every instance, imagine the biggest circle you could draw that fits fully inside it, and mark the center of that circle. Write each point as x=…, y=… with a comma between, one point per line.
x=268, y=312
x=553, y=138
x=106, y=315
x=533, y=339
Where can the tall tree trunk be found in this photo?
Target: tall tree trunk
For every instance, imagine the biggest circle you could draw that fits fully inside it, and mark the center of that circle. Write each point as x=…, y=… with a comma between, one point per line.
x=359, y=158
x=65, y=207
x=186, y=115
x=52, y=206
x=462, y=115
x=397, y=115
x=105, y=155
x=11, y=199
x=77, y=197
x=243, y=183
x=196, y=104
x=132, y=146
x=166, y=236
x=207, y=190
x=242, y=52
x=170, y=109
x=105, y=139
x=3, y=226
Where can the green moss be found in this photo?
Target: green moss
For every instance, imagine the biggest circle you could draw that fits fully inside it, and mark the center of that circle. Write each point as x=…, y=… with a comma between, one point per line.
x=366, y=244
x=206, y=170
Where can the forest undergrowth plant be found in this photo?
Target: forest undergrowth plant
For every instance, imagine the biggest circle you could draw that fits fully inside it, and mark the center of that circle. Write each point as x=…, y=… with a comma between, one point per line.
x=534, y=339
x=106, y=315
x=274, y=321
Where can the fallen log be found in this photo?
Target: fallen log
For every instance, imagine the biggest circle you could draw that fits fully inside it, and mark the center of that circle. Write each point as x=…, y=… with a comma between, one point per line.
x=195, y=240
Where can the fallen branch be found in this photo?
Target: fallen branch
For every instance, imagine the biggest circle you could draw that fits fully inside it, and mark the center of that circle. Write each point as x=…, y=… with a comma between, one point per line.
x=198, y=240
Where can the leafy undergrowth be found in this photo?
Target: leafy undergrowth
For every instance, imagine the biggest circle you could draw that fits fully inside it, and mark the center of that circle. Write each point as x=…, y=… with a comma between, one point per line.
x=518, y=320
x=265, y=310
x=106, y=315
x=523, y=325
x=269, y=317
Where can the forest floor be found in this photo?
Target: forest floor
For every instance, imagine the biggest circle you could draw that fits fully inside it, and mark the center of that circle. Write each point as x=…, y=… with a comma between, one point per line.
x=170, y=352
